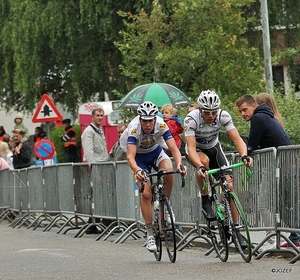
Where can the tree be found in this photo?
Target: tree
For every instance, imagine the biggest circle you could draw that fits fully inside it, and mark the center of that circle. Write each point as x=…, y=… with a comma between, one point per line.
x=64, y=48
x=199, y=45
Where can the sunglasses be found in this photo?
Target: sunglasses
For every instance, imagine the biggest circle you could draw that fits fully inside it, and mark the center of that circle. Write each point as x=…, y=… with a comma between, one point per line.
x=207, y=112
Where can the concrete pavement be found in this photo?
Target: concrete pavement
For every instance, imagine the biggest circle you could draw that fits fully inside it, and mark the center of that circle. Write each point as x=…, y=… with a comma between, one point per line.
x=34, y=254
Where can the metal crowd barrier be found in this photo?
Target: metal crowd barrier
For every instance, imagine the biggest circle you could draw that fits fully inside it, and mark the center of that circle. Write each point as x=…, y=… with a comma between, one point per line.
x=288, y=190
x=65, y=195
x=61, y=197
x=128, y=203
x=258, y=194
x=7, y=195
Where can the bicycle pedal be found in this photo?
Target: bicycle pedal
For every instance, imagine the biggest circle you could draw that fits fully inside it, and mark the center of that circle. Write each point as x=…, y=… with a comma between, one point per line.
x=213, y=227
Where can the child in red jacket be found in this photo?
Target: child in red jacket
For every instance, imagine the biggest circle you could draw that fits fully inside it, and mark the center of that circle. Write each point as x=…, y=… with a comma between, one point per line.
x=174, y=123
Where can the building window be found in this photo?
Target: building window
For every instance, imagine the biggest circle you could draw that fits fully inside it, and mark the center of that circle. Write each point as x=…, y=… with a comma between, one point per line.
x=278, y=78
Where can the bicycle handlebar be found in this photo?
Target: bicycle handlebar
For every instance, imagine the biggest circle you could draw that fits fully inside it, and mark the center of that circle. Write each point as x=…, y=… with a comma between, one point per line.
x=161, y=173
x=232, y=166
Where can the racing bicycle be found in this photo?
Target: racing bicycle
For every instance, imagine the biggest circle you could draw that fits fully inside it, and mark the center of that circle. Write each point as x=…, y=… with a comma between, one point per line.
x=224, y=228
x=163, y=228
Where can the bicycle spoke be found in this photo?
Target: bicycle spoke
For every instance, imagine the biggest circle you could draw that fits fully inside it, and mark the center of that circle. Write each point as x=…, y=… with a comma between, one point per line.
x=157, y=232
x=219, y=241
x=218, y=233
x=240, y=232
x=169, y=233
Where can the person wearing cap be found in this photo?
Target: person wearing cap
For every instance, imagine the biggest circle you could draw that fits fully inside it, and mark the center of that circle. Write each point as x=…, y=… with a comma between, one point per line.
x=70, y=141
x=21, y=126
x=144, y=139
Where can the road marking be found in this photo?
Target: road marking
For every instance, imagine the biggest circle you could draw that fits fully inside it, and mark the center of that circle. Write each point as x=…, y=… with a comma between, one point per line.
x=52, y=252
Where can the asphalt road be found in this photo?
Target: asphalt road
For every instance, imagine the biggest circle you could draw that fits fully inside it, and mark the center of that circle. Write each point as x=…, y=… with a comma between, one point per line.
x=34, y=254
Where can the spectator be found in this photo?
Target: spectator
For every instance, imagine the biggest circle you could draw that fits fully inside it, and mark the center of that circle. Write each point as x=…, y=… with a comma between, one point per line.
x=7, y=139
x=2, y=132
x=193, y=107
x=116, y=153
x=265, y=129
x=39, y=134
x=3, y=163
x=6, y=154
x=70, y=141
x=174, y=123
x=269, y=100
x=20, y=126
x=271, y=103
x=93, y=139
x=21, y=155
x=95, y=150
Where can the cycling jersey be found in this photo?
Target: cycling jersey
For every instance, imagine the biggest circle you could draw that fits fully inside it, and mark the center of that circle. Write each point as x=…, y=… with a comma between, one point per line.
x=145, y=143
x=207, y=135
x=149, y=146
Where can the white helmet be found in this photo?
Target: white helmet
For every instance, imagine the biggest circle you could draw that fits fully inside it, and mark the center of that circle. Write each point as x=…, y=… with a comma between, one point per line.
x=147, y=110
x=208, y=99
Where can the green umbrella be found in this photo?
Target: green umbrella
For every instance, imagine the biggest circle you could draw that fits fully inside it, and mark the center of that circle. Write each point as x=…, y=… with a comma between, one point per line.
x=158, y=93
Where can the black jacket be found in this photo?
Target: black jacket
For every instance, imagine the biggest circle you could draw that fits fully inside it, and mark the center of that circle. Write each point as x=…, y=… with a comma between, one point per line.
x=265, y=130
x=23, y=159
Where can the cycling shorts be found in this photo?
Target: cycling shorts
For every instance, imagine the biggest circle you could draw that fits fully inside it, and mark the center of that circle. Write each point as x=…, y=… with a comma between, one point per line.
x=151, y=160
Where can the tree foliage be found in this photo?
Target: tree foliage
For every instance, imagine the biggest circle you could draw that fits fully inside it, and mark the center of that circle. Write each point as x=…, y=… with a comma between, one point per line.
x=77, y=50
x=199, y=45
x=64, y=48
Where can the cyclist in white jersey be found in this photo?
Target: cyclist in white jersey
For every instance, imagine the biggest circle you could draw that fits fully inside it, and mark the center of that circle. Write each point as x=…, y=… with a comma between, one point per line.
x=203, y=148
x=144, y=139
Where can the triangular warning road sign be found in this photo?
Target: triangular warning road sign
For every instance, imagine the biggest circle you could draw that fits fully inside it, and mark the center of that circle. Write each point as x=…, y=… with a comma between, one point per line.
x=46, y=111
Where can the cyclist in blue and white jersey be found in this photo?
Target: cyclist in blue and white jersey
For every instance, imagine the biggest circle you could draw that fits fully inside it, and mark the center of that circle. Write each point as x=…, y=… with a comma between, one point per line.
x=144, y=139
x=204, y=151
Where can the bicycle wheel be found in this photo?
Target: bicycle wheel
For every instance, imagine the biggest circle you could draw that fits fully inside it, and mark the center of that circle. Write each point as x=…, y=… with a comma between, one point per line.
x=169, y=231
x=219, y=241
x=240, y=231
x=156, y=232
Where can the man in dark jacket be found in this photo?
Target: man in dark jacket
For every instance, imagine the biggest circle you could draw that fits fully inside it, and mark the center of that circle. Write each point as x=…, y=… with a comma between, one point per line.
x=265, y=130
x=22, y=158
